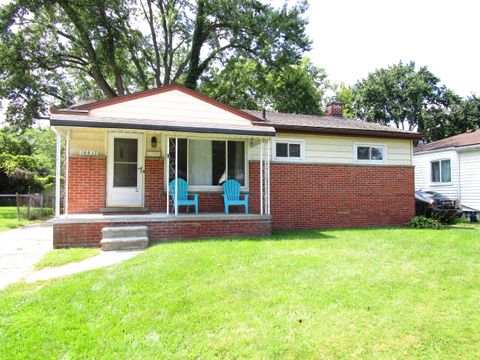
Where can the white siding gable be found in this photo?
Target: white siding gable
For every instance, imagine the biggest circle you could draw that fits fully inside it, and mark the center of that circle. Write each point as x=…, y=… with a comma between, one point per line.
x=172, y=105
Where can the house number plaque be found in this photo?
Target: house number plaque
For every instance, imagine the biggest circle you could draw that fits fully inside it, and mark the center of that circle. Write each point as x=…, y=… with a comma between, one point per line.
x=87, y=152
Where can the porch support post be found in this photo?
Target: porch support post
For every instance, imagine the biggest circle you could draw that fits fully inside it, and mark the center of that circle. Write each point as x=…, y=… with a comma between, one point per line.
x=176, y=176
x=67, y=160
x=167, y=158
x=269, y=146
x=261, y=176
x=57, y=172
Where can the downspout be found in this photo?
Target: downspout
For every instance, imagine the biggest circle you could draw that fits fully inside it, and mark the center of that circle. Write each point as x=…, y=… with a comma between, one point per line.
x=57, y=171
x=459, y=189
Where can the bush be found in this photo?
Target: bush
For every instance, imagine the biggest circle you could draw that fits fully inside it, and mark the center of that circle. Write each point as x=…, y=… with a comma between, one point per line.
x=421, y=222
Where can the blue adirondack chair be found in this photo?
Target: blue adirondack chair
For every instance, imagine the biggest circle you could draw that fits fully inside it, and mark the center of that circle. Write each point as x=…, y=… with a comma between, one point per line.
x=184, y=198
x=232, y=196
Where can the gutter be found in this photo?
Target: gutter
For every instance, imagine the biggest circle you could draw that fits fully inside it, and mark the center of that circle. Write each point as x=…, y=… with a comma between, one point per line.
x=104, y=125
x=450, y=148
x=343, y=131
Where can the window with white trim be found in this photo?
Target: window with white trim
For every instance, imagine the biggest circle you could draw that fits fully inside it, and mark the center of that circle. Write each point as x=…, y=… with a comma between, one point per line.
x=209, y=162
x=441, y=171
x=370, y=153
x=288, y=150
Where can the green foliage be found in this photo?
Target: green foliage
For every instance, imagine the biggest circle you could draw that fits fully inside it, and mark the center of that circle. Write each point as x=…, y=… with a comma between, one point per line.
x=421, y=222
x=58, y=51
x=27, y=159
x=412, y=99
x=247, y=84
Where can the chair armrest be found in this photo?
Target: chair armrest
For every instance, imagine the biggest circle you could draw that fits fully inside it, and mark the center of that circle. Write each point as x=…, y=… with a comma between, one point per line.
x=245, y=197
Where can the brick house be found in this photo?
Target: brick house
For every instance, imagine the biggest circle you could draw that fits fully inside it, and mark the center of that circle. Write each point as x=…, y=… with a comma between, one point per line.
x=301, y=171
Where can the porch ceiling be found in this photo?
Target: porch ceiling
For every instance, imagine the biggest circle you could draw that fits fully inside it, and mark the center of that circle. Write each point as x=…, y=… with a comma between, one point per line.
x=150, y=124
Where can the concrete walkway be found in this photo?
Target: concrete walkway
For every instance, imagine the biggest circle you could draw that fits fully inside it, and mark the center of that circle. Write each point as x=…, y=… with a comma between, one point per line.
x=106, y=258
x=21, y=248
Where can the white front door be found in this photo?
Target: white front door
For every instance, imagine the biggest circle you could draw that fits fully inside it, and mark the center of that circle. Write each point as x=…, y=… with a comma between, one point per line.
x=125, y=170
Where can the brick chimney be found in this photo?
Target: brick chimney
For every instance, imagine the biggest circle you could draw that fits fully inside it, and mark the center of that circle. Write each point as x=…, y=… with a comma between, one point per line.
x=334, y=108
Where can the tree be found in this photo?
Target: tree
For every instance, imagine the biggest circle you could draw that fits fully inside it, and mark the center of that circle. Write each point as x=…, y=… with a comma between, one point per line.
x=61, y=49
x=247, y=84
x=403, y=96
x=27, y=159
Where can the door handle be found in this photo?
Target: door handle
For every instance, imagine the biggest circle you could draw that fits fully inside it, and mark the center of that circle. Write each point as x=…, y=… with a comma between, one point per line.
x=140, y=169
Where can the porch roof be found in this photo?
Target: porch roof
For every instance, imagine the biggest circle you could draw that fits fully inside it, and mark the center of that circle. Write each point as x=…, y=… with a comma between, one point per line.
x=84, y=120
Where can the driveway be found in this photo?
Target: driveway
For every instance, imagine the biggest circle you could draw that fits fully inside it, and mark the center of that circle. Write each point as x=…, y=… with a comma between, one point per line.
x=21, y=248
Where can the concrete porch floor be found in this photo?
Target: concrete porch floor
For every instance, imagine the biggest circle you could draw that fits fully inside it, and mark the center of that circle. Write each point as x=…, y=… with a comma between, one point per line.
x=154, y=217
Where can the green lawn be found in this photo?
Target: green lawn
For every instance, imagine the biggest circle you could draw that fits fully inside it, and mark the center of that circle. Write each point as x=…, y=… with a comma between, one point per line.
x=60, y=257
x=379, y=293
x=9, y=220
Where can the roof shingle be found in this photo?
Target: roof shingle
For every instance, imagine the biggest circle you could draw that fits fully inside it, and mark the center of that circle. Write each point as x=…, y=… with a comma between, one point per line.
x=336, y=124
x=465, y=139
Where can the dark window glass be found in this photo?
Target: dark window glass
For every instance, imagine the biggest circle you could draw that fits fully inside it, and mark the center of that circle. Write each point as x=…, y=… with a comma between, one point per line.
x=282, y=149
x=436, y=171
x=446, y=172
x=182, y=158
x=376, y=153
x=125, y=175
x=294, y=150
x=236, y=161
x=218, y=163
x=125, y=152
x=363, y=153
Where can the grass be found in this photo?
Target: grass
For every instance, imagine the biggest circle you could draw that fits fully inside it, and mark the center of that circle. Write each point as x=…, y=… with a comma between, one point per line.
x=466, y=223
x=372, y=293
x=60, y=257
x=9, y=220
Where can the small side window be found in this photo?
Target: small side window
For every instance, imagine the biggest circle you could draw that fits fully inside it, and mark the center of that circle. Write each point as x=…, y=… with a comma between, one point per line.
x=288, y=150
x=441, y=171
x=370, y=153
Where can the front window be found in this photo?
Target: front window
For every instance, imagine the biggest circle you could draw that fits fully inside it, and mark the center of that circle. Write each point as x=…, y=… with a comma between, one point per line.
x=370, y=153
x=441, y=171
x=208, y=162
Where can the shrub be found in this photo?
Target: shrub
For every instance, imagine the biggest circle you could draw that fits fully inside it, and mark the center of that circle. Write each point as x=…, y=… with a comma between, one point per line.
x=421, y=222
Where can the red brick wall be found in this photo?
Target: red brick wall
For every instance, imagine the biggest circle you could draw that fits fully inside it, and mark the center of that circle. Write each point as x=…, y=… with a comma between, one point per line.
x=87, y=184
x=89, y=234
x=302, y=195
x=320, y=196
x=154, y=177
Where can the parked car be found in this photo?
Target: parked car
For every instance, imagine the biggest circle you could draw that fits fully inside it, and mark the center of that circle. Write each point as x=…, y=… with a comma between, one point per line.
x=438, y=206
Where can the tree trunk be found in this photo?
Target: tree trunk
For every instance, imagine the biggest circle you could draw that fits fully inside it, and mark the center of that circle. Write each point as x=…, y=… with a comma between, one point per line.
x=198, y=39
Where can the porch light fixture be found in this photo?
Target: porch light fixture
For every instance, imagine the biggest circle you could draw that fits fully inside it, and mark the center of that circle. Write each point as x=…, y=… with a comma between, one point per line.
x=154, y=141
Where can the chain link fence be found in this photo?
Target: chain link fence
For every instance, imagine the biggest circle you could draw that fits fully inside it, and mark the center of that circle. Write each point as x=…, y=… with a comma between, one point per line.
x=29, y=206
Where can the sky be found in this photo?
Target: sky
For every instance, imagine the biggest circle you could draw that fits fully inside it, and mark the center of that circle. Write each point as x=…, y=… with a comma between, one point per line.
x=352, y=38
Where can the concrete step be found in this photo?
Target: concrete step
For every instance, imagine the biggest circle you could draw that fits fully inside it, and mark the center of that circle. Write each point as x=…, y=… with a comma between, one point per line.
x=124, y=238
x=125, y=243
x=124, y=231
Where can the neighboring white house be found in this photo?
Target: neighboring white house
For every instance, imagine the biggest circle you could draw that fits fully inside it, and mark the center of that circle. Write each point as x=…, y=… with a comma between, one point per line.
x=451, y=167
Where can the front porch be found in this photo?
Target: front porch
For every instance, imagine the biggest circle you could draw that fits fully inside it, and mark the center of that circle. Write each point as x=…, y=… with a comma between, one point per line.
x=86, y=229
